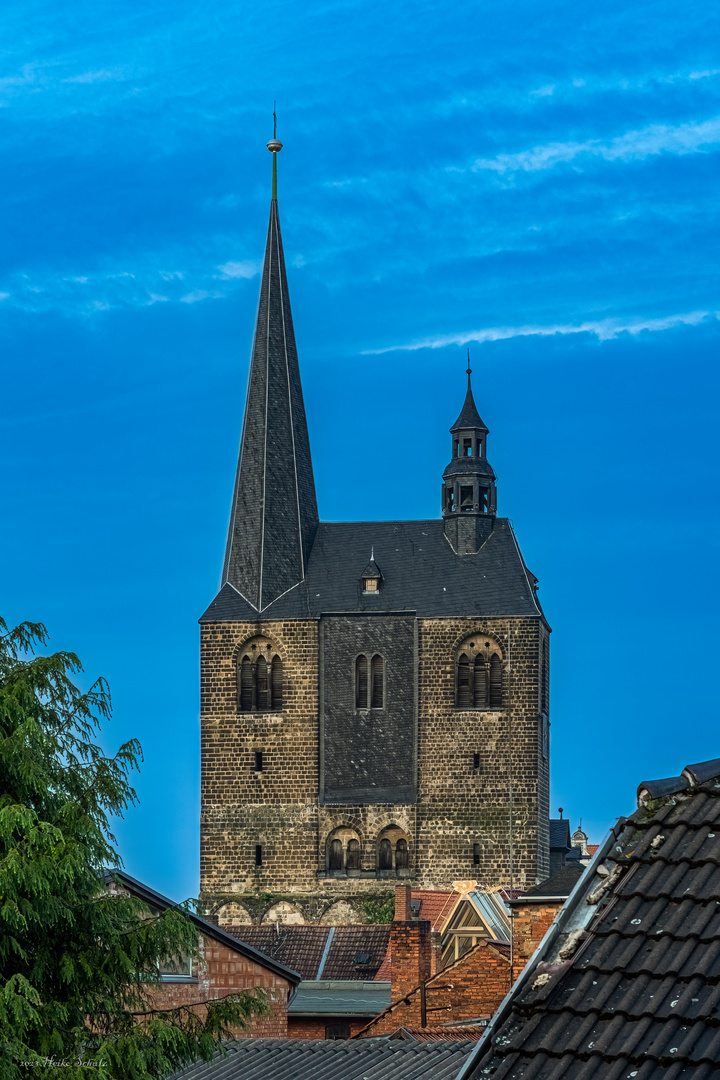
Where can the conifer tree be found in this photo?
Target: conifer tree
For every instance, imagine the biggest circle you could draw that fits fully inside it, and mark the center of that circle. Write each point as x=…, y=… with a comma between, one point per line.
x=77, y=961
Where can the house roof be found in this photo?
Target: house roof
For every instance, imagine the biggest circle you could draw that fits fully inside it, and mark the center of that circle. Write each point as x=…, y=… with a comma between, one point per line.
x=559, y=833
x=156, y=899
x=346, y=953
x=459, y=1033
x=627, y=980
x=317, y=1059
x=421, y=574
x=557, y=887
x=345, y=997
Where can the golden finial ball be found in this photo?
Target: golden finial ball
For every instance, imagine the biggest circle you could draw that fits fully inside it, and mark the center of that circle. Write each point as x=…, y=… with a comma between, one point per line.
x=274, y=146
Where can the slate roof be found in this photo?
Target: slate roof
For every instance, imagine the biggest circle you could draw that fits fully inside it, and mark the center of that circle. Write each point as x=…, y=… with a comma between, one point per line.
x=559, y=833
x=274, y=509
x=321, y=952
x=627, y=981
x=223, y=937
x=315, y=1059
x=557, y=887
x=469, y=416
x=421, y=574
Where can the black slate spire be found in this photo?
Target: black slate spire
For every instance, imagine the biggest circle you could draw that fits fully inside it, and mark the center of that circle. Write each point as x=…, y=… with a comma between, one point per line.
x=274, y=512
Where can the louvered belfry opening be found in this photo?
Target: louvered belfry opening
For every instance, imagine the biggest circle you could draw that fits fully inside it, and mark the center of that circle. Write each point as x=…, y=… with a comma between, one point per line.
x=478, y=674
x=277, y=683
x=544, y=694
x=464, y=690
x=401, y=855
x=361, y=682
x=378, y=682
x=259, y=677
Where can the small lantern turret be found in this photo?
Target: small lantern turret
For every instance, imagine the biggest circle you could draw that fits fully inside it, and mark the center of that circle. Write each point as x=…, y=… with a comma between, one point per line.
x=469, y=495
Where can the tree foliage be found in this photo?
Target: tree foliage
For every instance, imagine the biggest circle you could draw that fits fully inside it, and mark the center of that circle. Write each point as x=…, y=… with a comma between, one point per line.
x=377, y=911
x=78, y=962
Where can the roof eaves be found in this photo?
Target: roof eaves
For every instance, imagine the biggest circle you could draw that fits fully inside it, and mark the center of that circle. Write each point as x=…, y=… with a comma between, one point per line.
x=571, y=917
x=151, y=896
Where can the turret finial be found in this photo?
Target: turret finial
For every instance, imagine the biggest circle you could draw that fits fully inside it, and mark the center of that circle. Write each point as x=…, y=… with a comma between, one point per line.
x=469, y=369
x=274, y=146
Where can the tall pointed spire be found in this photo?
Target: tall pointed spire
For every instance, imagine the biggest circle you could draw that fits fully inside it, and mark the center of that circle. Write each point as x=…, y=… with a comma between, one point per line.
x=274, y=512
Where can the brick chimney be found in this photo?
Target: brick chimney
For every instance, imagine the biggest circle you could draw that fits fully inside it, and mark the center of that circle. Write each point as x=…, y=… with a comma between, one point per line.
x=410, y=947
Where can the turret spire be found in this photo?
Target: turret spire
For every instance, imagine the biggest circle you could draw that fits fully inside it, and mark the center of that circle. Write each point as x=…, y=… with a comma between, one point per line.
x=274, y=513
x=469, y=498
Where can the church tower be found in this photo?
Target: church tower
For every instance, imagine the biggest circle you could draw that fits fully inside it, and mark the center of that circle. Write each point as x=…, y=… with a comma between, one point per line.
x=374, y=695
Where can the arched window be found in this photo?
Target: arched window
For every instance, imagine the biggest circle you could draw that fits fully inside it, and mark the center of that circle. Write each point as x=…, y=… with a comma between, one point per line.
x=478, y=674
x=277, y=682
x=378, y=682
x=259, y=677
x=464, y=689
x=361, y=682
x=335, y=855
x=401, y=855
x=385, y=860
x=353, y=855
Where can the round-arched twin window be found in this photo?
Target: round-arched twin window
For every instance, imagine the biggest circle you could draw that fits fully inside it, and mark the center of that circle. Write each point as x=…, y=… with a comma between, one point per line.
x=259, y=677
x=478, y=674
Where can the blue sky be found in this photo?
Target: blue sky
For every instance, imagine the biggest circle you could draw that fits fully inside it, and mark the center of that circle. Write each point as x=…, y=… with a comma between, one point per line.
x=536, y=181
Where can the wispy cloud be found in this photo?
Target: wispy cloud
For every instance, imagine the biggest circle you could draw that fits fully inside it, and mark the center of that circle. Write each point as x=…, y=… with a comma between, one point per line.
x=103, y=75
x=603, y=329
x=633, y=145
x=153, y=279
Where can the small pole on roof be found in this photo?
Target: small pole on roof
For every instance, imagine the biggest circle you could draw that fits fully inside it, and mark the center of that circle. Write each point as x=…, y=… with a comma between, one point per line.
x=469, y=369
x=560, y=812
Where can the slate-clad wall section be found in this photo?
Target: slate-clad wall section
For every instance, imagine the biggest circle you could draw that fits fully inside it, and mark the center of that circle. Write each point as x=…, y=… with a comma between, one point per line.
x=458, y=805
x=278, y=807
x=368, y=755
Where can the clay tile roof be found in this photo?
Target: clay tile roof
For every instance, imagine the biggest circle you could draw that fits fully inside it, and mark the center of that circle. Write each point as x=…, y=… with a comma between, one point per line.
x=444, y=1034
x=435, y=904
x=306, y=944
x=322, y=952
x=349, y=948
x=627, y=982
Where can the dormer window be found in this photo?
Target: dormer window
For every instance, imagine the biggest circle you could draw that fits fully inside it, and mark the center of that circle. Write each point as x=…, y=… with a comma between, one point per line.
x=371, y=577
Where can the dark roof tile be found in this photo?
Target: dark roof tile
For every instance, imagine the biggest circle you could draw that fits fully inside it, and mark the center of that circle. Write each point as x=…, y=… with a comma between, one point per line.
x=640, y=997
x=421, y=574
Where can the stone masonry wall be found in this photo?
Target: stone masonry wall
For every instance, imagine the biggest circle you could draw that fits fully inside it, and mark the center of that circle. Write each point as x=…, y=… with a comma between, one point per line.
x=459, y=805
x=275, y=808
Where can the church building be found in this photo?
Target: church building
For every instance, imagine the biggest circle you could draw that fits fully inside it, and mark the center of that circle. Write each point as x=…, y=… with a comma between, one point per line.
x=374, y=694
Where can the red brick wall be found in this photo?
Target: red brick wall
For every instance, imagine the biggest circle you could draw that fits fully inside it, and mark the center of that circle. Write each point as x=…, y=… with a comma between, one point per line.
x=473, y=986
x=530, y=924
x=409, y=955
x=313, y=1027
x=223, y=971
